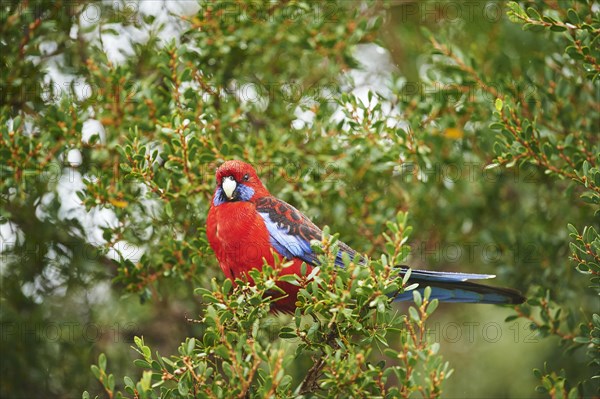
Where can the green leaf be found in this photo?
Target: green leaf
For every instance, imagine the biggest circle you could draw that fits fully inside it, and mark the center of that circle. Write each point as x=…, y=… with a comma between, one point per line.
x=227, y=285
x=499, y=104
x=191, y=344
x=102, y=361
x=168, y=210
x=581, y=340
x=142, y=363
x=417, y=298
x=182, y=387
x=128, y=382
x=111, y=382
x=287, y=333
x=406, y=276
x=514, y=11
x=432, y=306
x=414, y=314
x=586, y=168
x=412, y=287
x=427, y=293
x=95, y=371
x=573, y=17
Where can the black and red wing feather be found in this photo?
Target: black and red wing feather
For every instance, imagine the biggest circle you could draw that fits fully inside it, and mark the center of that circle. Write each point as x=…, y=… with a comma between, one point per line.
x=291, y=231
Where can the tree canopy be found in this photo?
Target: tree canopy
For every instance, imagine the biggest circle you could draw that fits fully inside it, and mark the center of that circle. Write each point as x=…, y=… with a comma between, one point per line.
x=459, y=136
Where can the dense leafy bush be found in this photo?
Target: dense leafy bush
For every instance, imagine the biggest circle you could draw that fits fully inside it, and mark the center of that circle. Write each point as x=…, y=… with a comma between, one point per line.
x=480, y=118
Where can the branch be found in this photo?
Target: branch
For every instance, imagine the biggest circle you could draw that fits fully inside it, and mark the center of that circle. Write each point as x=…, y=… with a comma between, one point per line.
x=311, y=381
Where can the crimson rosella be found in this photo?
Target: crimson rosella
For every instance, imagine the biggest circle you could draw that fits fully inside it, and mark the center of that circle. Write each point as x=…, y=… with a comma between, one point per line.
x=247, y=226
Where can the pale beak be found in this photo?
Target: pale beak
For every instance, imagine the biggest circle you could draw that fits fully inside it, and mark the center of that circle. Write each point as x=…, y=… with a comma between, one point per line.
x=229, y=184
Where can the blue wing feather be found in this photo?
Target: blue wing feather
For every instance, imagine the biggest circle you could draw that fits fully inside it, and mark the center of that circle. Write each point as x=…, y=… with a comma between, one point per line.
x=286, y=243
x=291, y=232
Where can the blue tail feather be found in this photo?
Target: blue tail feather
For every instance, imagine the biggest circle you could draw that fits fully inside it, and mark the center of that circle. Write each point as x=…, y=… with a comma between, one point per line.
x=454, y=287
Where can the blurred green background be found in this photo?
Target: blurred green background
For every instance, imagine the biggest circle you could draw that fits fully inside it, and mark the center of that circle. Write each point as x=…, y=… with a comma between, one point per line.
x=114, y=116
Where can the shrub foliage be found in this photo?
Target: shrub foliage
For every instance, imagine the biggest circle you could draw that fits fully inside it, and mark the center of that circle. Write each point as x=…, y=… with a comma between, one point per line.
x=113, y=117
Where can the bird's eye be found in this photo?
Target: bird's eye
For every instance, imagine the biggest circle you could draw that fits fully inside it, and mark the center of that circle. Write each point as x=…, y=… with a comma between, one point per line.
x=246, y=177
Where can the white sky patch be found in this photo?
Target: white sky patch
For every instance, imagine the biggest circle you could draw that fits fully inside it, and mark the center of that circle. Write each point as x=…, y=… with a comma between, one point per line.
x=100, y=292
x=155, y=146
x=250, y=95
x=177, y=7
x=30, y=290
x=167, y=13
x=374, y=76
x=42, y=203
x=50, y=280
x=303, y=118
x=74, y=157
x=58, y=84
x=375, y=73
x=126, y=250
x=448, y=183
x=119, y=47
x=118, y=38
x=90, y=128
x=152, y=207
x=47, y=47
x=10, y=236
x=92, y=221
x=69, y=183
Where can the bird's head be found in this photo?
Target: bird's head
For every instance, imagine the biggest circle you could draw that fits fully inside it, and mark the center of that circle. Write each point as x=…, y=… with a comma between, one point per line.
x=237, y=181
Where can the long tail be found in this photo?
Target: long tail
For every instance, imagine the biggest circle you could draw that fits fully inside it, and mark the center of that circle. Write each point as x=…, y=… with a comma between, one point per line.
x=454, y=287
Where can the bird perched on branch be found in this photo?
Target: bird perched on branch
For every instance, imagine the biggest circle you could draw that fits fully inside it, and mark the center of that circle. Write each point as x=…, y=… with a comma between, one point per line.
x=247, y=226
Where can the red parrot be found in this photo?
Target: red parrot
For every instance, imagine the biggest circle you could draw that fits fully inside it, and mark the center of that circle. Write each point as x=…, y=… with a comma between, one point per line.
x=246, y=225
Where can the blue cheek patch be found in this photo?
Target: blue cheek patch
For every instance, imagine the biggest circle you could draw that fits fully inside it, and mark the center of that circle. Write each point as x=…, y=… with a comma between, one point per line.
x=219, y=197
x=244, y=193
x=241, y=193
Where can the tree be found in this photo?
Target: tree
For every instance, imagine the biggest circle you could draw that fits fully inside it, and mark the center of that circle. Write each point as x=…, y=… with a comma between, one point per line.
x=482, y=125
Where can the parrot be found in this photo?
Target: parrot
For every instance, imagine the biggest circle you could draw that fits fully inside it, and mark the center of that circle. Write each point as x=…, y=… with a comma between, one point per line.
x=248, y=227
